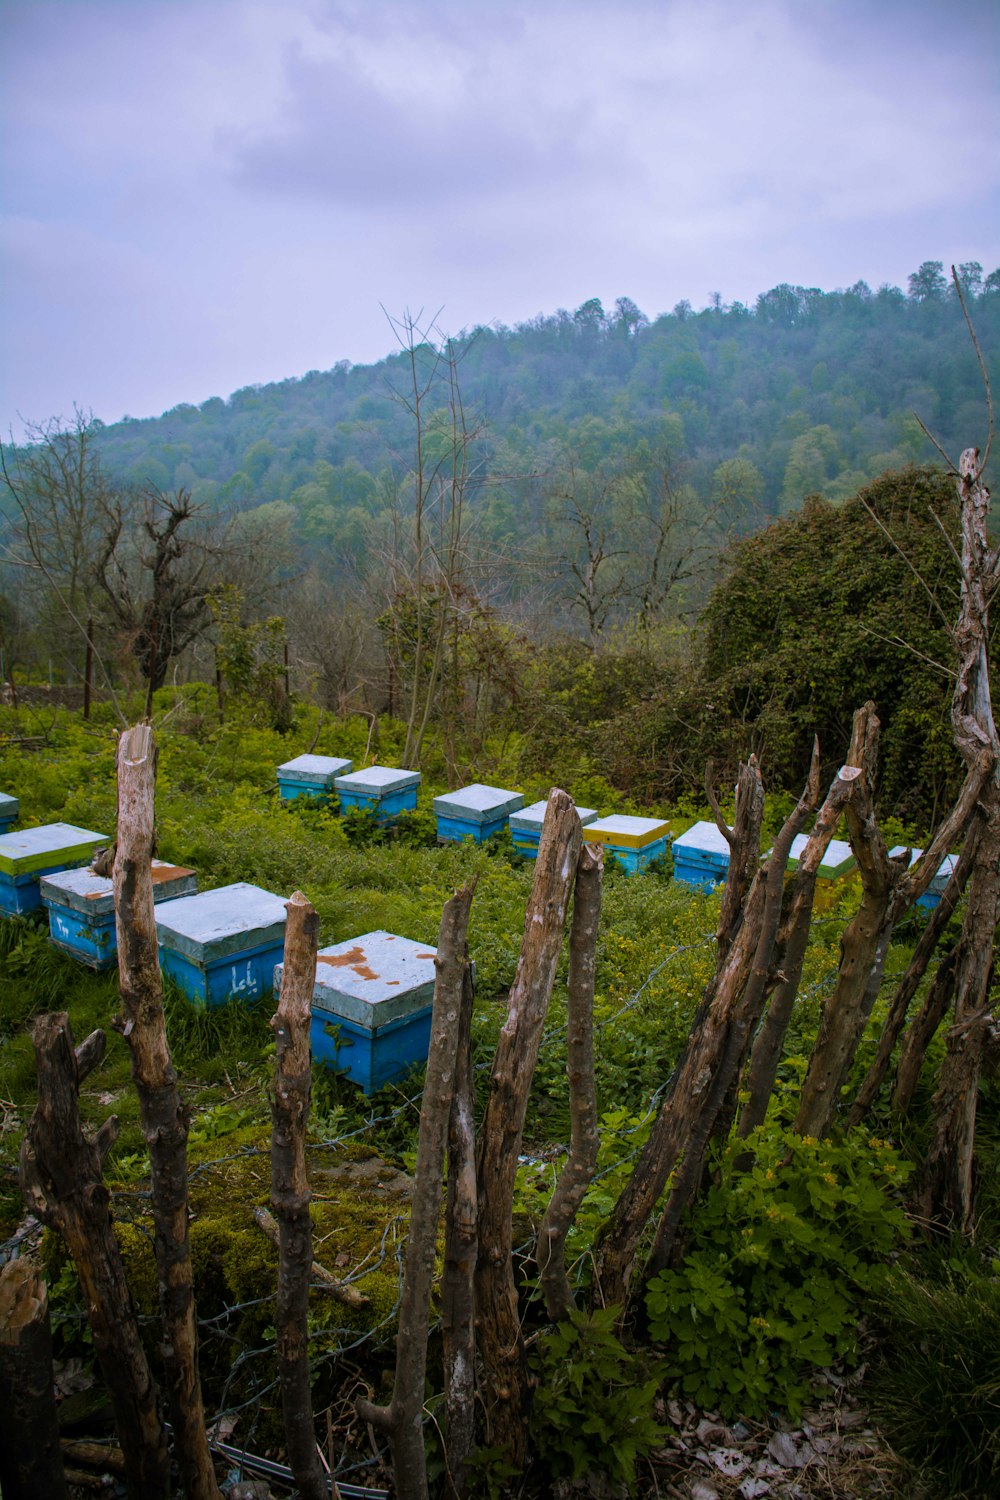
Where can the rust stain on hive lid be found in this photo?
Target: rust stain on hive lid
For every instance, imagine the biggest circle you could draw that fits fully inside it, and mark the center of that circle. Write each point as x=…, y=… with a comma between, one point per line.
x=168, y=872
x=354, y=959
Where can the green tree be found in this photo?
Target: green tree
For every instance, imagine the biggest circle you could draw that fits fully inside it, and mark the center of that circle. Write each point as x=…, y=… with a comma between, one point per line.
x=819, y=613
x=928, y=284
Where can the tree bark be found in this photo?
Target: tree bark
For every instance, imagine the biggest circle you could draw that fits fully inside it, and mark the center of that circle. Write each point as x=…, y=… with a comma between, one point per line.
x=461, y=1248
x=697, y=1071
x=908, y=986
x=576, y=1175
x=163, y=1114
x=791, y=944
x=402, y=1419
x=30, y=1455
x=62, y=1185
x=290, y=1192
x=498, y=1325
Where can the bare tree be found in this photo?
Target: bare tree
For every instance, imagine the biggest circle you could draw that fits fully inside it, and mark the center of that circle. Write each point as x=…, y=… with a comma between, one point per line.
x=155, y=563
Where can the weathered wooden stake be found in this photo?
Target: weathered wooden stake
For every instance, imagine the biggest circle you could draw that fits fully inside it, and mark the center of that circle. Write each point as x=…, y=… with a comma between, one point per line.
x=62, y=1184
x=697, y=1066
x=461, y=1248
x=919, y=1033
x=290, y=1193
x=501, y=1345
x=576, y=1175
x=163, y=1114
x=944, y=1192
x=30, y=1456
x=402, y=1420
x=791, y=945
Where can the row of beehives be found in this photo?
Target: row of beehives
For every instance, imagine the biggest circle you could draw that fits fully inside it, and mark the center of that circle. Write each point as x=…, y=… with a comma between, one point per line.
x=700, y=856
x=371, y=1008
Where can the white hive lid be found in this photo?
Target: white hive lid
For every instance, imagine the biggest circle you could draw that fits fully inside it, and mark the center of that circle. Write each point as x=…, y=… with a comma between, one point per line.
x=703, y=838
x=530, y=819
x=377, y=781
x=215, y=924
x=314, y=770
x=373, y=979
x=478, y=803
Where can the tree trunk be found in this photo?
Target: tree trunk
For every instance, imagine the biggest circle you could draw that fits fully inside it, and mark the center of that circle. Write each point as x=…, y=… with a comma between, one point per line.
x=696, y=1070
x=581, y=1164
x=458, y=1324
x=290, y=1193
x=62, y=1185
x=402, y=1419
x=30, y=1456
x=163, y=1114
x=792, y=941
x=909, y=984
x=501, y=1344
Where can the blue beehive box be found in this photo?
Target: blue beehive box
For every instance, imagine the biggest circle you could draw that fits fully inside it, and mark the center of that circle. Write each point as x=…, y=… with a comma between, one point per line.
x=634, y=842
x=310, y=776
x=81, y=908
x=474, y=812
x=381, y=790
x=9, y=808
x=526, y=826
x=371, y=1011
x=30, y=853
x=222, y=945
x=932, y=895
x=701, y=856
x=837, y=861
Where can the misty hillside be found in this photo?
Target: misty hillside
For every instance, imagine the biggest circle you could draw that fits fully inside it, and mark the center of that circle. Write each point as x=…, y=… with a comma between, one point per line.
x=745, y=408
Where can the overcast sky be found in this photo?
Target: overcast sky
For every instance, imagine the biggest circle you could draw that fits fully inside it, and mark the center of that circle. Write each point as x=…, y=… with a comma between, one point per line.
x=202, y=194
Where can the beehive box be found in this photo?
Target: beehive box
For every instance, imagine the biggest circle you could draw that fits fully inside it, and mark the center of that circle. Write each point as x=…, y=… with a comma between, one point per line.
x=371, y=1011
x=932, y=895
x=381, y=790
x=311, y=776
x=9, y=808
x=474, y=812
x=30, y=853
x=836, y=862
x=633, y=842
x=222, y=945
x=81, y=908
x=526, y=826
x=701, y=856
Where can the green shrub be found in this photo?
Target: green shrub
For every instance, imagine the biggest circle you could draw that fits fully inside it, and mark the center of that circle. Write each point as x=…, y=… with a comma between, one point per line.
x=779, y=1258
x=593, y=1405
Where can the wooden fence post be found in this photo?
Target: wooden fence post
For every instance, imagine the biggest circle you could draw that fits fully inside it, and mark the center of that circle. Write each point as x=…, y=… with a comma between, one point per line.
x=290, y=1193
x=402, y=1419
x=30, y=1457
x=501, y=1345
x=62, y=1185
x=164, y=1115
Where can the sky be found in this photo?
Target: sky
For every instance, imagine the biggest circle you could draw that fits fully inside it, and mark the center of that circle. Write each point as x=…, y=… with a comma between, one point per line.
x=200, y=195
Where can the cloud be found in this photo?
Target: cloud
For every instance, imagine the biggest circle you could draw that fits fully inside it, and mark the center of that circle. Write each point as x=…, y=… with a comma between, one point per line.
x=206, y=195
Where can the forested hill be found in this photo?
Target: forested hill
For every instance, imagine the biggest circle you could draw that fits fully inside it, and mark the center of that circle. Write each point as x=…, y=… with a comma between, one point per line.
x=753, y=407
